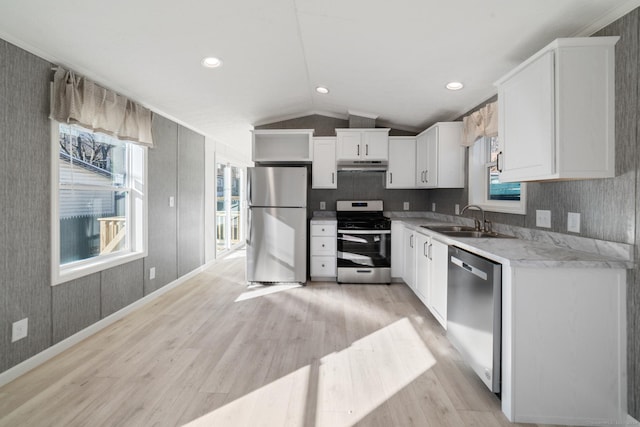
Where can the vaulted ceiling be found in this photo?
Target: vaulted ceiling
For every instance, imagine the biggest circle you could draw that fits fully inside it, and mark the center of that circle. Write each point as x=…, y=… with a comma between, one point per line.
x=389, y=59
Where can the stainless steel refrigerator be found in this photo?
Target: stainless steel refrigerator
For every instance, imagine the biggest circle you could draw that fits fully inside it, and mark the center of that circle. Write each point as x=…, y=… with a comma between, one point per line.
x=277, y=224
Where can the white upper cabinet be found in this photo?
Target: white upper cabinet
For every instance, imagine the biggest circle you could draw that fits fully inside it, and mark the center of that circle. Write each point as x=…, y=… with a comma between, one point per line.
x=556, y=113
x=401, y=172
x=440, y=157
x=362, y=145
x=282, y=146
x=323, y=170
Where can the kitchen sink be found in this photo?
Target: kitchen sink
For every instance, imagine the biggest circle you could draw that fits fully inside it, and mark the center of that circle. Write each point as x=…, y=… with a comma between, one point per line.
x=476, y=234
x=464, y=231
x=448, y=228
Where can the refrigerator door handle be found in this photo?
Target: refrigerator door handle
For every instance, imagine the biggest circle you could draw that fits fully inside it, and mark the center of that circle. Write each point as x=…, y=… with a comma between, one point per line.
x=249, y=227
x=249, y=188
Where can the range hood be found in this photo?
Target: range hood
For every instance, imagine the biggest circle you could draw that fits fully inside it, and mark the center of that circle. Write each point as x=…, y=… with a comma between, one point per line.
x=362, y=165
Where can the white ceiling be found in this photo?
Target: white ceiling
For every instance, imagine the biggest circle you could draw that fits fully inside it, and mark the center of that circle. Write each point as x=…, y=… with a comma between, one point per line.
x=385, y=58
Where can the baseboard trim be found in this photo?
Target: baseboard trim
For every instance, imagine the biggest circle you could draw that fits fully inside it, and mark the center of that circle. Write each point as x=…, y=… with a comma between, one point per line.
x=33, y=362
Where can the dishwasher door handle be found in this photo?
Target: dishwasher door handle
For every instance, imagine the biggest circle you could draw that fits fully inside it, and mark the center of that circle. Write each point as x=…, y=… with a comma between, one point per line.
x=471, y=269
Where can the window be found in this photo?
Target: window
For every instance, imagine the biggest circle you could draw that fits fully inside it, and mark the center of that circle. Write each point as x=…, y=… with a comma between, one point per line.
x=485, y=188
x=98, y=202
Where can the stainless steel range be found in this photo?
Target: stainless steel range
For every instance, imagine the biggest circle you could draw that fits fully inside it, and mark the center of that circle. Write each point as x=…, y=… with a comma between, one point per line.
x=364, y=242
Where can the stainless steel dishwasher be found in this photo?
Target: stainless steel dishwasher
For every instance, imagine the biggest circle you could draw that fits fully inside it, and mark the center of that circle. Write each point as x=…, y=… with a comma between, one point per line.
x=474, y=313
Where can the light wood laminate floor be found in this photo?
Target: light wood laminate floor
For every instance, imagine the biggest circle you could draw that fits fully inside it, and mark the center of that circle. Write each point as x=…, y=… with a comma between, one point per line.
x=213, y=352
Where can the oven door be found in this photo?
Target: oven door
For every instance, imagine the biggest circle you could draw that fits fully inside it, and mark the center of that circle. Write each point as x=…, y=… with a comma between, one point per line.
x=364, y=256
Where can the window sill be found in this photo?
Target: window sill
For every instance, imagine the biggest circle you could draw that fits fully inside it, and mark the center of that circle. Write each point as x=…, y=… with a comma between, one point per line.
x=85, y=268
x=516, y=210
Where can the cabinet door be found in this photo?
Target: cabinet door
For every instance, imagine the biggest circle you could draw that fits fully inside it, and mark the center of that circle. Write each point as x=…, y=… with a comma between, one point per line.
x=409, y=271
x=397, y=250
x=427, y=159
x=450, y=153
x=376, y=145
x=349, y=146
x=431, y=172
x=438, y=283
x=323, y=173
x=401, y=172
x=423, y=267
x=526, y=121
x=421, y=160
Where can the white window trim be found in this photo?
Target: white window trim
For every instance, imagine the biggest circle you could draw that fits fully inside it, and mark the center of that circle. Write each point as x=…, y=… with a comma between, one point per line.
x=137, y=234
x=478, y=184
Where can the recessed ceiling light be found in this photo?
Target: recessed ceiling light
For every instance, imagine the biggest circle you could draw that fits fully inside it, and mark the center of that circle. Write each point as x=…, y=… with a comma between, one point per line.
x=454, y=86
x=211, y=62
x=323, y=90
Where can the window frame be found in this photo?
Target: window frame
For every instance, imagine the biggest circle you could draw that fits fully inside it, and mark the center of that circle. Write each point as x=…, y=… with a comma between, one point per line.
x=479, y=182
x=137, y=209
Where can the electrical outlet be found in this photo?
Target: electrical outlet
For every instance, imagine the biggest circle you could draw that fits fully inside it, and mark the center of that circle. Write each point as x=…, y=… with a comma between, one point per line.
x=172, y=201
x=433, y=207
x=323, y=206
x=457, y=209
x=152, y=273
x=20, y=329
x=573, y=222
x=543, y=218
x=405, y=206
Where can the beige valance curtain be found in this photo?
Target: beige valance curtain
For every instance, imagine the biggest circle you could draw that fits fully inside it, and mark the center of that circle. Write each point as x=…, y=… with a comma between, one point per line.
x=483, y=122
x=77, y=100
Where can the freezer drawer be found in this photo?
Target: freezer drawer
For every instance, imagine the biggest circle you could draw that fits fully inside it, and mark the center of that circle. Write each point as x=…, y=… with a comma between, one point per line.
x=277, y=245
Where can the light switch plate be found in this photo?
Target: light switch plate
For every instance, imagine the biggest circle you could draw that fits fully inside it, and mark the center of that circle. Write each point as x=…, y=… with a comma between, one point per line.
x=433, y=207
x=405, y=206
x=573, y=222
x=543, y=218
x=20, y=329
x=323, y=206
x=457, y=209
x=152, y=273
x=172, y=201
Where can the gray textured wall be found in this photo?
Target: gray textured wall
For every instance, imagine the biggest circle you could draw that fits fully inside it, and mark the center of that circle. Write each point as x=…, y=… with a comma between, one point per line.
x=25, y=199
x=163, y=224
x=56, y=313
x=609, y=208
x=191, y=200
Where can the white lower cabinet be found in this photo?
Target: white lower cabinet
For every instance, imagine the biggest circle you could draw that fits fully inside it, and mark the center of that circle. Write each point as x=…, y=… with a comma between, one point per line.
x=323, y=249
x=437, y=299
x=431, y=275
x=409, y=253
x=423, y=267
x=397, y=250
x=564, y=349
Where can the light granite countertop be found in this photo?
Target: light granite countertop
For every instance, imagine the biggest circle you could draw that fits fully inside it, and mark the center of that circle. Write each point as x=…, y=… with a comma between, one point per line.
x=531, y=248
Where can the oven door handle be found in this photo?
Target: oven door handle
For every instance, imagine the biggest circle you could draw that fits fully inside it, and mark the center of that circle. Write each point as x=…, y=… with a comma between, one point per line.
x=364, y=231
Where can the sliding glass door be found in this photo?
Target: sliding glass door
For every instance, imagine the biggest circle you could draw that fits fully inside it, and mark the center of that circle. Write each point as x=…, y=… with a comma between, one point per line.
x=229, y=185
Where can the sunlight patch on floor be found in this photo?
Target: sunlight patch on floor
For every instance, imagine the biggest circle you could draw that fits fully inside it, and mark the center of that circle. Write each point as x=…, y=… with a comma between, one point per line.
x=258, y=290
x=351, y=384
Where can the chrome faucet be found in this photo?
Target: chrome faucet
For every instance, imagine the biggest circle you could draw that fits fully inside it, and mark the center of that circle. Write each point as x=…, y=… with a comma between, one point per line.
x=480, y=226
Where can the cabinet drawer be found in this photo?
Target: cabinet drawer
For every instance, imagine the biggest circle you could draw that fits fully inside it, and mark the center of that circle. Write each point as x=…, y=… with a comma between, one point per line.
x=323, y=266
x=323, y=246
x=323, y=230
